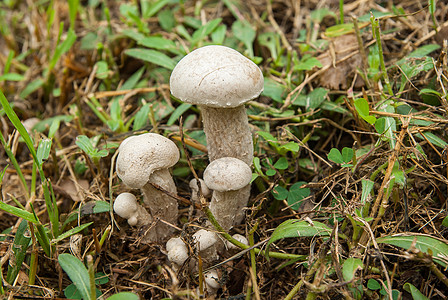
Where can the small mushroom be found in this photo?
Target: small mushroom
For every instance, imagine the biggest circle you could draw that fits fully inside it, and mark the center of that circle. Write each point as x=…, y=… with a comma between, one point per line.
x=229, y=179
x=212, y=281
x=145, y=159
x=220, y=80
x=127, y=207
x=177, y=251
x=195, y=189
x=240, y=238
x=205, y=244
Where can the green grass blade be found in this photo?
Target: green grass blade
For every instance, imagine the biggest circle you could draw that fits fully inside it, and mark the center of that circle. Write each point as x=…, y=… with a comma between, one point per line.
x=18, y=212
x=14, y=162
x=21, y=242
x=124, y=296
x=71, y=232
x=77, y=273
x=17, y=124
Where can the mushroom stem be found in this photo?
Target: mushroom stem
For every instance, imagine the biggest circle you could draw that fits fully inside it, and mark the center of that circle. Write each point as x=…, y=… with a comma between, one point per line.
x=227, y=208
x=160, y=204
x=228, y=134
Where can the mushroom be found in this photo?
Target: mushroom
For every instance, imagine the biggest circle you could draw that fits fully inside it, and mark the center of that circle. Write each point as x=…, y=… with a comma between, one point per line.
x=177, y=251
x=212, y=281
x=240, y=238
x=229, y=179
x=143, y=160
x=195, y=189
x=205, y=244
x=220, y=80
x=126, y=206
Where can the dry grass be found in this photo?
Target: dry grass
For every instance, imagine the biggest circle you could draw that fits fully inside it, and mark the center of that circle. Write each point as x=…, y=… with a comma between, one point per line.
x=419, y=207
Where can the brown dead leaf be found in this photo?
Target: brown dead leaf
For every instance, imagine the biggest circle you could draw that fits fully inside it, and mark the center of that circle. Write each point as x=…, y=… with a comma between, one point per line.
x=68, y=188
x=338, y=75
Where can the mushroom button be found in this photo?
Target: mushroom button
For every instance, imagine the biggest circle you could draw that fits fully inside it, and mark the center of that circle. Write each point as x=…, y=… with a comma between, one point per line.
x=220, y=80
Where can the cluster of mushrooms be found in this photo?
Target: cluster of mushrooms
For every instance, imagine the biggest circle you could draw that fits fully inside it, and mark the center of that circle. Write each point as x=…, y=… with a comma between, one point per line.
x=220, y=81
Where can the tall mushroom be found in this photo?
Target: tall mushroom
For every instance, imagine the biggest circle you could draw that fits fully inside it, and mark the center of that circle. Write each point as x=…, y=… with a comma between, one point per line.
x=229, y=179
x=146, y=159
x=220, y=80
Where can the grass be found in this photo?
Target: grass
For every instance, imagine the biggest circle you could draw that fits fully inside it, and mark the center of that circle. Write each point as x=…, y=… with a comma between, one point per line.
x=349, y=183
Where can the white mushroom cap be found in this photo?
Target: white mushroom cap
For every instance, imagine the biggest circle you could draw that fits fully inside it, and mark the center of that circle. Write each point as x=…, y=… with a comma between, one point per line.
x=216, y=76
x=204, y=239
x=177, y=251
x=139, y=156
x=211, y=279
x=126, y=206
x=227, y=174
x=240, y=238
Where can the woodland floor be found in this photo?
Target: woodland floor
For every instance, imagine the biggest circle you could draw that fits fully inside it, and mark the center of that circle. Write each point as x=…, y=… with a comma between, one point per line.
x=324, y=92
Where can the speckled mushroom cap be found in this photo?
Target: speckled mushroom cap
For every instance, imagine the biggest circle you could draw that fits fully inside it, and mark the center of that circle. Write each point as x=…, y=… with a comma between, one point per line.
x=227, y=174
x=216, y=76
x=139, y=156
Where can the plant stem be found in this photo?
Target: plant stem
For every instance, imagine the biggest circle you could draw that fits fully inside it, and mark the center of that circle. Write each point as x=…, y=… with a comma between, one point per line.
x=341, y=11
x=253, y=262
x=376, y=33
x=228, y=237
x=91, y=277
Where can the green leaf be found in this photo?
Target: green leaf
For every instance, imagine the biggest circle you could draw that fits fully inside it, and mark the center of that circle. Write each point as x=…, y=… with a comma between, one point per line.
x=280, y=193
x=373, y=285
x=271, y=41
x=362, y=107
x=203, y=31
x=367, y=186
x=313, y=100
x=244, y=32
x=281, y=164
x=71, y=232
x=141, y=117
x=387, y=126
x=294, y=228
x=102, y=71
x=307, y=63
x=335, y=156
x=350, y=266
x=43, y=150
x=21, y=241
x=347, y=154
x=339, y=29
x=291, y=146
x=124, y=296
x=153, y=8
x=267, y=136
x=423, y=243
x=62, y=48
x=77, y=273
x=177, y=113
x=273, y=90
x=12, y=77
x=157, y=42
x=297, y=194
x=152, y=56
x=219, y=34
x=416, y=294
x=445, y=221
x=18, y=212
x=434, y=139
x=429, y=91
x=31, y=87
x=167, y=20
